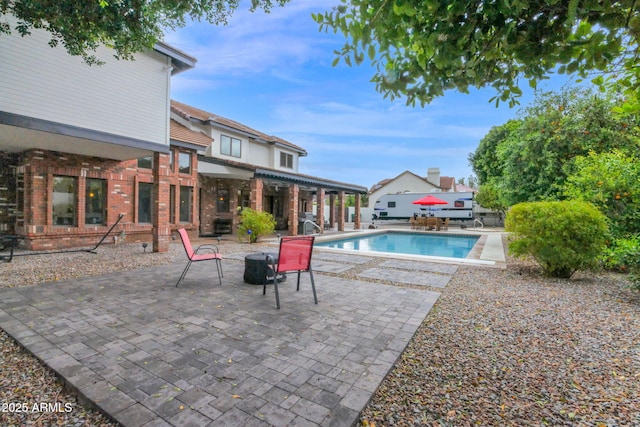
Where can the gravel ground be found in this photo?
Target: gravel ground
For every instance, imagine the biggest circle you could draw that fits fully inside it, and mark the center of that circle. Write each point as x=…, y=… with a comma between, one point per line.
x=500, y=348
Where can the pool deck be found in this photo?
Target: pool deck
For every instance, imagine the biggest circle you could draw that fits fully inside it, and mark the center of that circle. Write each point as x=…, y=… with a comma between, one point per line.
x=149, y=354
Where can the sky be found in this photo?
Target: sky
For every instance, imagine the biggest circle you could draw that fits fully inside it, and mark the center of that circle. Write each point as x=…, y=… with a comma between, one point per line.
x=273, y=72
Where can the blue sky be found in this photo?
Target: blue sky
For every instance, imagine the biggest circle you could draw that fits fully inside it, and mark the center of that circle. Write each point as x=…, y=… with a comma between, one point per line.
x=273, y=72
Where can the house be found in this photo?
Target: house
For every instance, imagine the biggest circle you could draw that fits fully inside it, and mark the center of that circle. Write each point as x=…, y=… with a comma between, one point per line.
x=70, y=137
x=409, y=182
x=243, y=167
x=82, y=145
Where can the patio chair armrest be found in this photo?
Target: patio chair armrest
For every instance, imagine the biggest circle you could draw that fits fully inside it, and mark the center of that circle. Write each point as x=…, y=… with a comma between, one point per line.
x=207, y=247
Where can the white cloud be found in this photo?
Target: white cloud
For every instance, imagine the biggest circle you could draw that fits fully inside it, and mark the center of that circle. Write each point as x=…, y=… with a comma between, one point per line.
x=339, y=119
x=253, y=43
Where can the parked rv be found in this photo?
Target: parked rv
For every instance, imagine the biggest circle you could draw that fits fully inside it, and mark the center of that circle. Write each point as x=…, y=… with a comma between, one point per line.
x=400, y=206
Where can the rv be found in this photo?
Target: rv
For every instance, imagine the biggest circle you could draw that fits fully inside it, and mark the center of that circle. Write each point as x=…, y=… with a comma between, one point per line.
x=400, y=206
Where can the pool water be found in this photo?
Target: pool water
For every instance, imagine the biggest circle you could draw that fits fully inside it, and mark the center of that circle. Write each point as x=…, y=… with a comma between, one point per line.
x=441, y=245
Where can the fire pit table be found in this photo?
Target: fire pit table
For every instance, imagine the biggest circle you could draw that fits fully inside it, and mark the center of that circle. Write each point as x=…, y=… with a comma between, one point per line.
x=256, y=269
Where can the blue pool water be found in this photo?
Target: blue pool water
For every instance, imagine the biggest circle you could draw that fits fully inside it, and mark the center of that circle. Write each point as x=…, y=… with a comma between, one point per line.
x=451, y=246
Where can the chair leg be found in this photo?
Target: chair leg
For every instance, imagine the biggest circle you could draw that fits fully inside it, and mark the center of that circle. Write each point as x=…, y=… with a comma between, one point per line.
x=298, y=287
x=275, y=283
x=313, y=286
x=219, y=267
x=184, y=273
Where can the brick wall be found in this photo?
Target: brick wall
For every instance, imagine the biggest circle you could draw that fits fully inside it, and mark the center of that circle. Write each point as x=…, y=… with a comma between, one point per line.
x=8, y=199
x=122, y=178
x=210, y=192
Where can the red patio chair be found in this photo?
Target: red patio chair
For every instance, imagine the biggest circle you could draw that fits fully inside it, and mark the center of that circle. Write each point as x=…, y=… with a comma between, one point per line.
x=211, y=253
x=294, y=255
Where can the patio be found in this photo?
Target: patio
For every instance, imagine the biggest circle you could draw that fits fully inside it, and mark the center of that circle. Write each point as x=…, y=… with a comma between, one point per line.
x=147, y=353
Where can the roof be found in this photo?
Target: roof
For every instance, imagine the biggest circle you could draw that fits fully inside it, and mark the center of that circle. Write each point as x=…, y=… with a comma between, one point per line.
x=386, y=181
x=310, y=180
x=179, y=59
x=447, y=182
x=306, y=180
x=181, y=133
x=192, y=113
x=462, y=187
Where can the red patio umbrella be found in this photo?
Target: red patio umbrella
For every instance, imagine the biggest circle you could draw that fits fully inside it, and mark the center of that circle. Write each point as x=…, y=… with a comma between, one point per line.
x=429, y=200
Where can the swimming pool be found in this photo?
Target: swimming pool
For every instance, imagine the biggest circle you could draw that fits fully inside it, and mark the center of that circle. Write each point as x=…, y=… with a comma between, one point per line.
x=440, y=245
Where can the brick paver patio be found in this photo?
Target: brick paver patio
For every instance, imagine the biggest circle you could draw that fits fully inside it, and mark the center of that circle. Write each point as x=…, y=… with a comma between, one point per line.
x=150, y=354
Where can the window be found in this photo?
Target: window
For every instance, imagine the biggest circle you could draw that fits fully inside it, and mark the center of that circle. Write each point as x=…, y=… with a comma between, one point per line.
x=145, y=196
x=286, y=160
x=172, y=161
x=186, y=197
x=245, y=199
x=95, y=200
x=222, y=204
x=172, y=204
x=145, y=162
x=64, y=200
x=184, y=163
x=391, y=204
x=230, y=146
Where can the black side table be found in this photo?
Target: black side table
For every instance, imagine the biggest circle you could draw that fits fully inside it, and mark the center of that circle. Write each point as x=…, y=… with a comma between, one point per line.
x=256, y=269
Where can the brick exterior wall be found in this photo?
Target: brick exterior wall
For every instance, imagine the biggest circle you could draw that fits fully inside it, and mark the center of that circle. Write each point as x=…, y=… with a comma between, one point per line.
x=38, y=168
x=211, y=189
x=8, y=195
x=320, y=208
x=293, y=209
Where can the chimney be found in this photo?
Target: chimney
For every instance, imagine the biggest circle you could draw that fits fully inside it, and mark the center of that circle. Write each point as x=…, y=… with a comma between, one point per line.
x=433, y=176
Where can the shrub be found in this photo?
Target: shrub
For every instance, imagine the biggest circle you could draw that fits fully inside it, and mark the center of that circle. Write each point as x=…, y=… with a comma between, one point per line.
x=624, y=255
x=255, y=224
x=562, y=237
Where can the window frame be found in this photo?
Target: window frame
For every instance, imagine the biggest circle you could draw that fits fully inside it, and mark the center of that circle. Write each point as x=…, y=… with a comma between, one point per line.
x=172, y=204
x=231, y=144
x=74, y=203
x=102, y=202
x=223, y=202
x=149, y=205
x=186, y=204
x=143, y=160
x=286, y=160
x=184, y=155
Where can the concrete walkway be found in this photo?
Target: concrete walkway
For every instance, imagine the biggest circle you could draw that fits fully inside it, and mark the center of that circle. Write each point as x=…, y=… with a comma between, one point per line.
x=149, y=354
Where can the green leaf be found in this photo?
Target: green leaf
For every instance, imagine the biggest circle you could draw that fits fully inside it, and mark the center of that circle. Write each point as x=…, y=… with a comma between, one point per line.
x=371, y=52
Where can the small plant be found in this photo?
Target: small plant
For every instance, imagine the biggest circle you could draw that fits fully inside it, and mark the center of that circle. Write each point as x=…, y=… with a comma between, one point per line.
x=255, y=224
x=562, y=237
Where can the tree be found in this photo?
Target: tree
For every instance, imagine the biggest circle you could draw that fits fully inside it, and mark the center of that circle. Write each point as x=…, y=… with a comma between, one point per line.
x=128, y=26
x=489, y=196
x=486, y=161
x=611, y=182
x=421, y=48
x=531, y=161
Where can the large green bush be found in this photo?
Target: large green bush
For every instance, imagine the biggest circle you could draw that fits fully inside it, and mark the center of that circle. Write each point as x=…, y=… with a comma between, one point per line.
x=255, y=224
x=562, y=237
